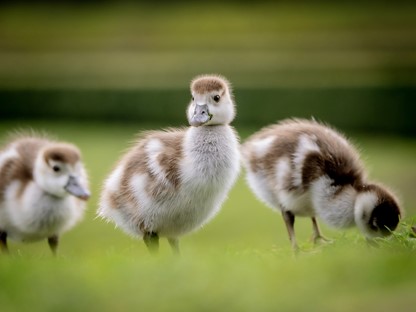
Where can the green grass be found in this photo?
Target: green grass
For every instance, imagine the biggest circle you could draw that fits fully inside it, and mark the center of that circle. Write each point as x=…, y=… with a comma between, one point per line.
x=241, y=261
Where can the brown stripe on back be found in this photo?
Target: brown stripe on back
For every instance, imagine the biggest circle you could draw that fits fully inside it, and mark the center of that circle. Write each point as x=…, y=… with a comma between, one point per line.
x=136, y=162
x=65, y=153
x=124, y=195
x=313, y=168
x=20, y=168
x=14, y=169
x=284, y=145
x=341, y=162
x=337, y=158
x=171, y=156
x=169, y=160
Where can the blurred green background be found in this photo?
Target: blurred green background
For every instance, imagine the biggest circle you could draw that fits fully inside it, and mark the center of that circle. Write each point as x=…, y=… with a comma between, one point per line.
x=349, y=63
x=95, y=73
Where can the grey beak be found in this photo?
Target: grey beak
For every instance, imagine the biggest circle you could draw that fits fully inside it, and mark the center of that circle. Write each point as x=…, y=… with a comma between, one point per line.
x=201, y=115
x=74, y=187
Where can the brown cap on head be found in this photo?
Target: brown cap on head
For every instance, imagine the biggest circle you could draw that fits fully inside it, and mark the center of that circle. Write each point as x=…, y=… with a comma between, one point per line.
x=65, y=153
x=209, y=83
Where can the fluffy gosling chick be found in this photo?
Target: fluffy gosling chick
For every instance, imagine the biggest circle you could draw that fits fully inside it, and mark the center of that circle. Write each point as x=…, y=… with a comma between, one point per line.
x=304, y=168
x=43, y=188
x=172, y=182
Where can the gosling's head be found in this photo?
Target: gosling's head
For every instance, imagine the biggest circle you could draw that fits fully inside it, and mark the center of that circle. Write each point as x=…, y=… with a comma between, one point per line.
x=59, y=171
x=212, y=101
x=377, y=212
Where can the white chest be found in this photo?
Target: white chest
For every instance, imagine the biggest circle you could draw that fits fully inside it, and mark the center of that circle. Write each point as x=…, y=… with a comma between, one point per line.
x=211, y=155
x=36, y=215
x=209, y=168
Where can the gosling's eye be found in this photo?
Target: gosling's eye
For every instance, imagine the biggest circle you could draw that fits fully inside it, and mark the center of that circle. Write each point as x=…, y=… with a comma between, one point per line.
x=56, y=168
x=217, y=98
x=192, y=98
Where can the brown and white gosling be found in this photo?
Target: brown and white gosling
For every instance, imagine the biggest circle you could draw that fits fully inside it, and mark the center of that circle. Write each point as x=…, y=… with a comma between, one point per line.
x=174, y=181
x=304, y=168
x=43, y=188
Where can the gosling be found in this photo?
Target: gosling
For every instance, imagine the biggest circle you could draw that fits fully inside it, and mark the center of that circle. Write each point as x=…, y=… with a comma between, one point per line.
x=303, y=168
x=172, y=182
x=43, y=189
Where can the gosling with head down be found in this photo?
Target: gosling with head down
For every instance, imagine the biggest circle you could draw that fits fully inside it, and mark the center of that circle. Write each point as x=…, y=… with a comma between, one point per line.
x=304, y=168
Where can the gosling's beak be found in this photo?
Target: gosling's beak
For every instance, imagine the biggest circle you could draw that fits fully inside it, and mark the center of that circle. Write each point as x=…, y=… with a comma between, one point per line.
x=201, y=115
x=74, y=187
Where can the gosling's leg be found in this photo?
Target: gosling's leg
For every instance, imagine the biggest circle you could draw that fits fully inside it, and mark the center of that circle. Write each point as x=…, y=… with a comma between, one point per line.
x=151, y=239
x=3, y=242
x=174, y=244
x=316, y=233
x=53, y=242
x=289, y=219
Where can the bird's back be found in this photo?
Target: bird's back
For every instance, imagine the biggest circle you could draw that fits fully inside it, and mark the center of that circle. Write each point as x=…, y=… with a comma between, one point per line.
x=311, y=149
x=17, y=161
